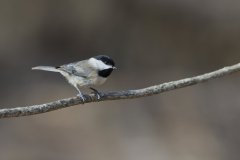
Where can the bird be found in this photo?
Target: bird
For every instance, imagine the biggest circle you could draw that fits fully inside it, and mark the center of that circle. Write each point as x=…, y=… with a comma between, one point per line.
x=86, y=73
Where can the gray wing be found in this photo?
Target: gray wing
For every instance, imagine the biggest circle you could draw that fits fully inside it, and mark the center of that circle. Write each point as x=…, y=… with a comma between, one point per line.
x=81, y=68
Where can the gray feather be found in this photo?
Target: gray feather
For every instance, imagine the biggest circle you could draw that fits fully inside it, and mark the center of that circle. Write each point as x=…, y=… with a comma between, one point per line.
x=46, y=68
x=81, y=68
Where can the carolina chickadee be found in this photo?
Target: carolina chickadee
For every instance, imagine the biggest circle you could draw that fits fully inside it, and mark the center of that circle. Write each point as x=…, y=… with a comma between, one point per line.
x=86, y=73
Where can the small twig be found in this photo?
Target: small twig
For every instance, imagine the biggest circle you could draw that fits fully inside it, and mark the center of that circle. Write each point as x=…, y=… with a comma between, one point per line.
x=42, y=108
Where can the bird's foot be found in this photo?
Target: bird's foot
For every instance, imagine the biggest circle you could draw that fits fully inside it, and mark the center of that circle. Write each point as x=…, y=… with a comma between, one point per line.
x=81, y=96
x=96, y=93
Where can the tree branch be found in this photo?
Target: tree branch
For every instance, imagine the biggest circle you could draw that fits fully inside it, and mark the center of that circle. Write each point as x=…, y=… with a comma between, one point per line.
x=149, y=91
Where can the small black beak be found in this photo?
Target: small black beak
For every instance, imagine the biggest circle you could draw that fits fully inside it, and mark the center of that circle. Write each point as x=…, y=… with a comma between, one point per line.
x=114, y=67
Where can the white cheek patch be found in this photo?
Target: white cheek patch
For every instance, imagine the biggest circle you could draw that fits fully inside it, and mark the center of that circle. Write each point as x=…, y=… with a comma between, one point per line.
x=97, y=64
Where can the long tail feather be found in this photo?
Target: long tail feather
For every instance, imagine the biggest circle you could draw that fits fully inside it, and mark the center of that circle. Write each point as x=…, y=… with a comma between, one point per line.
x=46, y=68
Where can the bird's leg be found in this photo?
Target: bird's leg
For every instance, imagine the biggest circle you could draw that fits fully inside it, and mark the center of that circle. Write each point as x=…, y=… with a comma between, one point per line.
x=96, y=92
x=79, y=93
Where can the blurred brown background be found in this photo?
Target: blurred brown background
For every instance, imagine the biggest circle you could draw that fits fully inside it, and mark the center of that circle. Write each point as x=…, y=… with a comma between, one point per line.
x=152, y=41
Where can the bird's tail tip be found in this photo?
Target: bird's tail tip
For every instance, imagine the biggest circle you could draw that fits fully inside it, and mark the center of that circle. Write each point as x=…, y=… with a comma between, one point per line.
x=34, y=68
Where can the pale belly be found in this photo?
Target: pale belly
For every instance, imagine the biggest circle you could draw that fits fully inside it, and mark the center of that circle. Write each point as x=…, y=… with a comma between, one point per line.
x=84, y=82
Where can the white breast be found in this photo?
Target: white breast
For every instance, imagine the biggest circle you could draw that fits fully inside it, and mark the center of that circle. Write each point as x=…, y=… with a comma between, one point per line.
x=100, y=81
